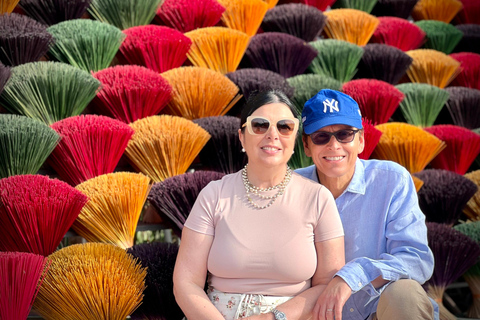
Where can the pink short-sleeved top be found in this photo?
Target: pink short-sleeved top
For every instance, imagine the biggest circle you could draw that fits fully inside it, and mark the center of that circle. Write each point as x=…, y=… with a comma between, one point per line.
x=264, y=251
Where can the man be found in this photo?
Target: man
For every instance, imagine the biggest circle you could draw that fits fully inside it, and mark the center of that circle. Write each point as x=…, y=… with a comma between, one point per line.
x=386, y=249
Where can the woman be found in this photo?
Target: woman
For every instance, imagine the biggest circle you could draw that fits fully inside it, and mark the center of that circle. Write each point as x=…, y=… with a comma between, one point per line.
x=270, y=239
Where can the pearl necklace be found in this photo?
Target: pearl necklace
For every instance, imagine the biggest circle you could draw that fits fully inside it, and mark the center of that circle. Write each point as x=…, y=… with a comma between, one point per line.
x=251, y=189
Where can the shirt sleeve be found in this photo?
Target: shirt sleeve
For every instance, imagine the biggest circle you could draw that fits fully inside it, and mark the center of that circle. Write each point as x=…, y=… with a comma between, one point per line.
x=201, y=218
x=407, y=254
x=329, y=224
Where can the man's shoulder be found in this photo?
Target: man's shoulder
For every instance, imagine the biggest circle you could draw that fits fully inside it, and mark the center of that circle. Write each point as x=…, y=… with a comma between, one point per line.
x=384, y=168
x=306, y=172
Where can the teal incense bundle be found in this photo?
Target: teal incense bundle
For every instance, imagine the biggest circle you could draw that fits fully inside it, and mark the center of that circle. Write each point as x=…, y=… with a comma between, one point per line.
x=363, y=5
x=440, y=36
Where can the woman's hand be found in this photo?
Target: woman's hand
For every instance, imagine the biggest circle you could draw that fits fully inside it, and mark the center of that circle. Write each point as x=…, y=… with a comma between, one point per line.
x=330, y=303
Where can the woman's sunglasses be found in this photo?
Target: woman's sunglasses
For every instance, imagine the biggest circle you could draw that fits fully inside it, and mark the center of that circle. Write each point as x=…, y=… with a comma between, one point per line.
x=260, y=125
x=343, y=136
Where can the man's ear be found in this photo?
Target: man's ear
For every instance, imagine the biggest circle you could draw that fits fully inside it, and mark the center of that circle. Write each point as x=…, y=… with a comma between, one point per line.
x=306, y=148
x=361, y=138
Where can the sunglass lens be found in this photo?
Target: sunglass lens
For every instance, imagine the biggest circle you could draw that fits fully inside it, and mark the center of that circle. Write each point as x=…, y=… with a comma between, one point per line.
x=320, y=138
x=285, y=127
x=260, y=126
x=345, y=135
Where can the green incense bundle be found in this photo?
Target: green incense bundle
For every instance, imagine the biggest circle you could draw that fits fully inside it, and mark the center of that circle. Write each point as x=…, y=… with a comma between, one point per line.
x=440, y=36
x=363, y=5
x=422, y=103
x=299, y=159
x=337, y=59
x=124, y=14
x=48, y=91
x=87, y=44
x=26, y=144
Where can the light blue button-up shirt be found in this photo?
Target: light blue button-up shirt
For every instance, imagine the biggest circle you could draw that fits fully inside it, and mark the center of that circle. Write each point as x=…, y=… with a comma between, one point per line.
x=385, y=233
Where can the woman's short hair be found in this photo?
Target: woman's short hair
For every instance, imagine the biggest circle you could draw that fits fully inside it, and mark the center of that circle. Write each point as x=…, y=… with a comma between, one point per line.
x=262, y=98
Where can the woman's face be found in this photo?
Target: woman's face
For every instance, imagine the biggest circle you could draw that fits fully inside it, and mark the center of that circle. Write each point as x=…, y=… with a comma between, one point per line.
x=271, y=148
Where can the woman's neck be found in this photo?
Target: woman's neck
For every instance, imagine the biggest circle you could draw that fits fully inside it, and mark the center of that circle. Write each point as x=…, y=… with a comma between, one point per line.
x=264, y=177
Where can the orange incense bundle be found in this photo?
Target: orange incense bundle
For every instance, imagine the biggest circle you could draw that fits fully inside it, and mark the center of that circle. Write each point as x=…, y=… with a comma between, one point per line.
x=165, y=146
x=112, y=212
x=472, y=209
x=407, y=145
x=399, y=33
x=350, y=25
x=217, y=48
x=372, y=137
x=132, y=92
x=244, y=15
x=432, y=67
x=155, y=47
x=200, y=92
x=7, y=6
x=271, y=3
x=441, y=10
x=470, y=66
x=418, y=183
x=91, y=281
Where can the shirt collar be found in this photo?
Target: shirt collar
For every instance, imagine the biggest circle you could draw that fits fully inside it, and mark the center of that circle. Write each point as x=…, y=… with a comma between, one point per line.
x=358, y=185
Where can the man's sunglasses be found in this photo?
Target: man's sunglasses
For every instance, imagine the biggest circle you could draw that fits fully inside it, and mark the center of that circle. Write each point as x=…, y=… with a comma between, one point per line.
x=260, y=125
x=343, y=136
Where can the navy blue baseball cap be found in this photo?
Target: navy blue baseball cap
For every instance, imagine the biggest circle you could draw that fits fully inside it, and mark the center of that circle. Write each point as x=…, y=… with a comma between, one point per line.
x=330, y=107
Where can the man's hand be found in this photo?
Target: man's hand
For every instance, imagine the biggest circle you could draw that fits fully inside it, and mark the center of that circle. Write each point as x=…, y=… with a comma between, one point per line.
x=330, y=304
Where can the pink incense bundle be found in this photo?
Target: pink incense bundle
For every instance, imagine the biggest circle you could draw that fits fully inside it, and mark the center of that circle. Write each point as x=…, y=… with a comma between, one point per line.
x=377, y=99
x=21, y=275
x=132, y=92
x=463, y=146
x=91, y=145
x=155, y=47
x=399, y=33
x=470, y=74
x=36, y=212
x=188, y=15
x=372, y=137
x=470, y=13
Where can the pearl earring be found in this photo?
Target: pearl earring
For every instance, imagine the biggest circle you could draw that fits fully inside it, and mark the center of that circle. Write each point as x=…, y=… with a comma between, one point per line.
x=243, y=149
x=293, y=151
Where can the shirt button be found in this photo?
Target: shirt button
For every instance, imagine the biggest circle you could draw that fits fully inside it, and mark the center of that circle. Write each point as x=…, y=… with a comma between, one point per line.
x=360, y=284
x=351, y=310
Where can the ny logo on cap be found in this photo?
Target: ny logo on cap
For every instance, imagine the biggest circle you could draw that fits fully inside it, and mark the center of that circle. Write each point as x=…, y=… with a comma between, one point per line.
x=332, y=104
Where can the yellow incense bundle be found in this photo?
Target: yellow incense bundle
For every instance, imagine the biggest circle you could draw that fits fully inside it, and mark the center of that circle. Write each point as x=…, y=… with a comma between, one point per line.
x=200, y=92
x=91, y=281
x=472, y=209
x=418, y=183
x=407, y=145
x=432, y=67
x=217, y=48
x=350, y=25
x=116, y=201
x=165, y=146
x=7, y=6
x=244, y=15
x=441, y=10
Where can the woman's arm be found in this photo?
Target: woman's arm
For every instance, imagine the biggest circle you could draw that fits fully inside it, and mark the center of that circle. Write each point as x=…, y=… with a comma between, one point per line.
x=330, y=258
x=190, y=274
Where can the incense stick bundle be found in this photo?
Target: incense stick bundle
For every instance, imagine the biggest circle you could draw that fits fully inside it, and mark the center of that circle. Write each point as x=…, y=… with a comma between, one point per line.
x=217, y=48
x=351, y=25
x=471, y=38
x=440, y=36
x=383, y=62
x=280, y=52
x=432, y=67
x=131, y=92
x=336, y=59
x=165, y=146
x=299, y=159
x=51, y=12
x=441, y=10
x=158, y=302
x=155, y=47
x=200, y=92
x=422, y=103
x=7, y=6
x=372, y=137
x=308, y=85
x=48, y=91
x=418, y=183
x=444, y=195
x=36, y=212
x=124, y=14
x=91, y=281
x=399, y=33
x=407, y=145
x=472, y=209
x=92, y=49
x=321, y=5
x=470, y=70
x=470, y=13
x=243, y=15
x=22, y=39
x=377, y=99
x=113, y=209
x=22, y=275
x=463, y=106
x=26, y=144
x=4, y=76
x=91, y=145
x=188, y=15
x=271, y=3
x=463, y=146
x=454, y=254
x=363, y=5
x=297, y=19
x=174, y=197
x=394, y=8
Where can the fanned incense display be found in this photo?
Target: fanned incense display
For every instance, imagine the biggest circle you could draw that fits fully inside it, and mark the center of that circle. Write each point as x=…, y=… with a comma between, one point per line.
x=441, y=10
x=244, y=15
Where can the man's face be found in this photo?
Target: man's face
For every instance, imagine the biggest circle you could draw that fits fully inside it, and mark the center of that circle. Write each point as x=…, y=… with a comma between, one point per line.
x=335, y=159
